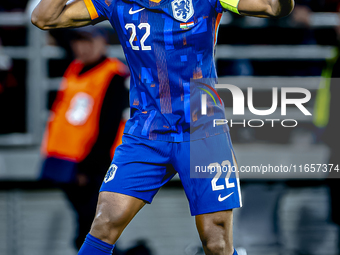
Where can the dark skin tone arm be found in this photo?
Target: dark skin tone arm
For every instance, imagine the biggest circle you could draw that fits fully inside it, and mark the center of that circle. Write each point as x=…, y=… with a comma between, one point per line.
x=51, y=14
x=266, y=8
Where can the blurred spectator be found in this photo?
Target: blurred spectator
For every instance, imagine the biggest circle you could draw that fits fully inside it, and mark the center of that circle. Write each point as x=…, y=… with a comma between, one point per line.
x=331, y=132
x=327, y=119
x=301, y=18
x=320, y=5
x=301, y=15
x=13, y=5
x=331, y=5
x=11, y=97
x=85, y=118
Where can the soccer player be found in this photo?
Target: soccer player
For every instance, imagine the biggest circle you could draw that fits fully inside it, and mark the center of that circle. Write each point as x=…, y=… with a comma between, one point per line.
x=169, y=46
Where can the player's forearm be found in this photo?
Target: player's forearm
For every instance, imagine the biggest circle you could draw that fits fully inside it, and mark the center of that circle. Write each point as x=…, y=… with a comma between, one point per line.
x=47, y=11
x=281, y=8
x=265, y=8
x=50, y=14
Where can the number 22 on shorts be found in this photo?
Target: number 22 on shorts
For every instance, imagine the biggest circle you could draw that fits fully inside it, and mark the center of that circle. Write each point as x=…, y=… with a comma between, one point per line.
x=226, y=165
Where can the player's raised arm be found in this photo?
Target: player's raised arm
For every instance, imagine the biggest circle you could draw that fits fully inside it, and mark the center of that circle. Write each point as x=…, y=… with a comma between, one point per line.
x=262, y=8
x=50, y=14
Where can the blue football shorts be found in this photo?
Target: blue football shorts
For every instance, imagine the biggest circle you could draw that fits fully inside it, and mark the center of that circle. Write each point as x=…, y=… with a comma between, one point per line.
x=207, y=169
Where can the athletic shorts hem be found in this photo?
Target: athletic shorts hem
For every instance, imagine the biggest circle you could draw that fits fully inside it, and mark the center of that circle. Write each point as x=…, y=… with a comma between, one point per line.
x=212, y=210
x=130, y=193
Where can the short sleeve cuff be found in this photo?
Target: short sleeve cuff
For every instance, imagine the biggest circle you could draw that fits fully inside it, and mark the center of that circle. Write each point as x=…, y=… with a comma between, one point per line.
x=91, y=9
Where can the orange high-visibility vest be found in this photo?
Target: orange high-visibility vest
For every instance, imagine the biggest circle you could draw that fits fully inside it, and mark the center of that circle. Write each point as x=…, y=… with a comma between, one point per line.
x=74, y=125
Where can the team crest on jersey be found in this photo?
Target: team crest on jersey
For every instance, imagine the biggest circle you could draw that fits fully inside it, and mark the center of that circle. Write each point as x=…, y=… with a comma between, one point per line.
x=182, y=9
x=110, y=173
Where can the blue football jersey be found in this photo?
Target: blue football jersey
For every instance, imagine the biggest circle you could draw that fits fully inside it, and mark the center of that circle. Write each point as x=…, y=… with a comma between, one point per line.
x=167, y=45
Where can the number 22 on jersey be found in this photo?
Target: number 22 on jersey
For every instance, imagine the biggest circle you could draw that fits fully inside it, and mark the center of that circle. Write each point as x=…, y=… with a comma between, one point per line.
x=141, y=26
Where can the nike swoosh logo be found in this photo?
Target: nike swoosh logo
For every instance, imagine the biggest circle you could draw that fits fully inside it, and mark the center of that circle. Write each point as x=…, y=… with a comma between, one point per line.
x=224, y=198
x=133, y=12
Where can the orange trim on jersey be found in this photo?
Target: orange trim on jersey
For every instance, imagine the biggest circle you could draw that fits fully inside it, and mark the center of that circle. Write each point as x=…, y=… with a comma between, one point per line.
x=156, y=1
x=217, y=24
x=91, y=9
x=118, y=140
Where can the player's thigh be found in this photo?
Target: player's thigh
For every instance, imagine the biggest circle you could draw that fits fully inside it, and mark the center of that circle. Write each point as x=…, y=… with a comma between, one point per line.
x=113, y=214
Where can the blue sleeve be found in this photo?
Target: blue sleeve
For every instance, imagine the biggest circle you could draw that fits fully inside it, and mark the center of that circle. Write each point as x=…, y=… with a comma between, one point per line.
x=99, y=9
x=216, y=6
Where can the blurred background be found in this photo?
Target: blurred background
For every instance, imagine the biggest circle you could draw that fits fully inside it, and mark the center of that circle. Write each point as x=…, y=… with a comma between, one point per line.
x=282, y=214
